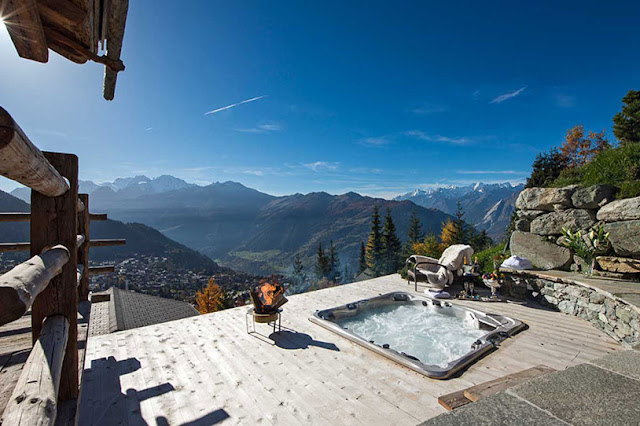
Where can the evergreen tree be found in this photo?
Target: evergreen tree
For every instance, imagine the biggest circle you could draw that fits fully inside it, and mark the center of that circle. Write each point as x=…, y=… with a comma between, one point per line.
x=626, y=124
x=373, y=252
x=362, y=260
x=480, y=240
x=546, y=168
x=333, y=264
x=455, y=231
x=414, y=233
x=298, y=269
x=322, y=263
x=391, y=246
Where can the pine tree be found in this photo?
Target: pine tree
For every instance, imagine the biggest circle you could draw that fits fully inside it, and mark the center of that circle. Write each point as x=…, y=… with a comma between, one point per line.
x=414, y=233
x=374, y=244
x=391, y=246
x=322, y=263
x=211, y=299
x=333, y=264
x=480, y=240
x=362, y=260
x=546, y=168
x=455, y=231
x=626, y=124
x=298, y=270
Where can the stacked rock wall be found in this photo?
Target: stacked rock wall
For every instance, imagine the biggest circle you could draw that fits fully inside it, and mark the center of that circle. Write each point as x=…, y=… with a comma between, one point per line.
x=543, y=212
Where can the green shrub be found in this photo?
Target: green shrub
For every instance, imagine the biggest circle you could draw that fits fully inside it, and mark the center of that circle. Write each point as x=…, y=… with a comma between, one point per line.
x=617, y=166
x=486, y=257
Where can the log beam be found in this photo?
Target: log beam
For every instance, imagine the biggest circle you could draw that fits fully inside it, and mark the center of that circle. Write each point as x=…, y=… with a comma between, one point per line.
x=34, y=400
x=107, y=243
x=20, y=286
x=98, y=270
x=53, y=221
x=22, y=19
x=14, y=217
x=116, y=21
x=5, y=247
x=21, y=161
x=98, y=216
x=63, y=13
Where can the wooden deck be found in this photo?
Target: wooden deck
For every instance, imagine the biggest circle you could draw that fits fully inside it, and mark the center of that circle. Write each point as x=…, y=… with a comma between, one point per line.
x=207, y=369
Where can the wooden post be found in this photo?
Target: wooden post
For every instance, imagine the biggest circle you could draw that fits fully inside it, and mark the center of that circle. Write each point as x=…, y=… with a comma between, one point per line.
x=83, y=251
x=53, y=221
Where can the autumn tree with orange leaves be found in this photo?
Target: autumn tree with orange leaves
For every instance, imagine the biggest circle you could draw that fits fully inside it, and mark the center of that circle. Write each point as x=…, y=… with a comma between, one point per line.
x=579, y=148
x=211, y=298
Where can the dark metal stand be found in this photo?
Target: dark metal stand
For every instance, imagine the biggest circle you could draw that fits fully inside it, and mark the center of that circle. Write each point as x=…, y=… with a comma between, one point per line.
x=272, y=319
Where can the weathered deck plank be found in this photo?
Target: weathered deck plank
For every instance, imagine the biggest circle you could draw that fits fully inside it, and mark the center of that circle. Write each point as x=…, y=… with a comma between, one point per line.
x=208, y=368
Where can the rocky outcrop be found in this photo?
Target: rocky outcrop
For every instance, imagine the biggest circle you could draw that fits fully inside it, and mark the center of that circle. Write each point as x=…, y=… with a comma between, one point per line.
x=530, y=214
x=523, y=225
x=552, y=223
x=545, y=198
x=541, y=253
x=622, y=265
x=593, y=196
x=624, y=237
x=625, y=209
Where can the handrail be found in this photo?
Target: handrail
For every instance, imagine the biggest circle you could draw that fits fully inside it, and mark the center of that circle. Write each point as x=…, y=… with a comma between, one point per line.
x=22, y=161
x=107, y=243
x=104, y=269
x=20, y=286
x=34, y=400
x=15, y=217
x=4, y=247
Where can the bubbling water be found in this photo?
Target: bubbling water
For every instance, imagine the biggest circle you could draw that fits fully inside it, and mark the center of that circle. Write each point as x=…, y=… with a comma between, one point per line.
x=429, y=334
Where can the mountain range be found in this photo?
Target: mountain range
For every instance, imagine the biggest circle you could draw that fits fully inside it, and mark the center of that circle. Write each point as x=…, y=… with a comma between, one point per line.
x=251, y=231
x=486, y=206
x=141, y=240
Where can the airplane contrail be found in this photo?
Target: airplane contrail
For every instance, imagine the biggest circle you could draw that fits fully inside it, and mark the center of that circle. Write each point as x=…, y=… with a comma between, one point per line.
x=235, y=105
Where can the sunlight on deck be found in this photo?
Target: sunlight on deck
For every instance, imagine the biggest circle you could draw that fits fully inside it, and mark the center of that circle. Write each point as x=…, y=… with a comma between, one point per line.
x=208, y=370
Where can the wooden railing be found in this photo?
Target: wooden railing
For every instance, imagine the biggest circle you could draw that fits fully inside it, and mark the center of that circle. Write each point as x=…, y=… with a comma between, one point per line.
x=53, y=281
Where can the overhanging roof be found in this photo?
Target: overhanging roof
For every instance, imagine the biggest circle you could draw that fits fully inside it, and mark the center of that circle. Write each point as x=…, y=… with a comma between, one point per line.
x=72, y=28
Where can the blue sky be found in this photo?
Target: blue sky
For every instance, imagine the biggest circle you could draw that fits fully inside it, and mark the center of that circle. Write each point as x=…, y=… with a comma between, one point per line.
x=374, y=97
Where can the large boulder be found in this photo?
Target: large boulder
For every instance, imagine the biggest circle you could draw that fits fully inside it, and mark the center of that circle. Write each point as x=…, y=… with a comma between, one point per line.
x=624, y=237
x=625, y=209
x=545, y=198
x=552, y=223
x=529, y=214
x=593, y=196
x=541, y=253
x=619, y=264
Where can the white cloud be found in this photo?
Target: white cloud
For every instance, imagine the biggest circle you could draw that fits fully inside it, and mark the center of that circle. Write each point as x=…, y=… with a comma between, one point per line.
x=320, y=166
x=490, y=172
x=565, y=101
x=235, y=105
x=263, y=128
x=148, y=129
x=507, y=96
x=376, y=141
x=426, y=109
x=420, y=135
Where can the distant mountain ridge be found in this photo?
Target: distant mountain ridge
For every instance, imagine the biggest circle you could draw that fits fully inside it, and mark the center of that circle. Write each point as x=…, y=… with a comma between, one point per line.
x=141, y=240
x=130, y=187
x=255, y=232
x=487, y=206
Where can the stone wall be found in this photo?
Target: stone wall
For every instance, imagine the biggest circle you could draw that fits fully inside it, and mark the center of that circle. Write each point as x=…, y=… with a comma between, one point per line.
x=607, y=312
x=543, y=212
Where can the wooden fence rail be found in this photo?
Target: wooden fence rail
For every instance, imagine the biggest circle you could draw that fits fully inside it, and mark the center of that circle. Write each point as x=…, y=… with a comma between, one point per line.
x=4, y=247
x=21, y=161
x=34, y=400
x=14, y=217
x=20, y=286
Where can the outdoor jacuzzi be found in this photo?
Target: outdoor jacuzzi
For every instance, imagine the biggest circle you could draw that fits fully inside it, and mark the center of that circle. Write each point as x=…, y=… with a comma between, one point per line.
x=433, y=337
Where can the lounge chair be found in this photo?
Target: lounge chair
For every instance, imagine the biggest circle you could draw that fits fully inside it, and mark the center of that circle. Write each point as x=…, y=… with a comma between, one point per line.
x=438, y=273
